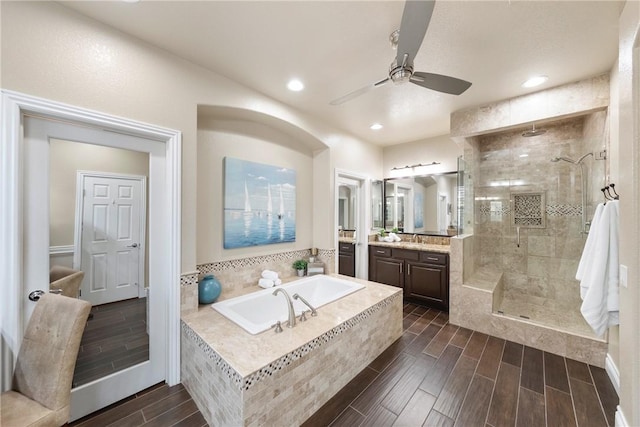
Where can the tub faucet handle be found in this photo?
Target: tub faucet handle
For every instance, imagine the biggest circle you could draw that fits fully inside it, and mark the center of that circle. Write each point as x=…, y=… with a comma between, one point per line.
x=303, y=315
x=278, y=327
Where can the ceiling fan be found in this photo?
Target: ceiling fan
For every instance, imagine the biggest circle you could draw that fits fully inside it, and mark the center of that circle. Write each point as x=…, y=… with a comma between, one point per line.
x=415, y=21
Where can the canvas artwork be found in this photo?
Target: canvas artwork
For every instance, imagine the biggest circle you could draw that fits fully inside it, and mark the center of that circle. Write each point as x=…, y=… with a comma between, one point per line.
x=259, y=204
x=418, y=211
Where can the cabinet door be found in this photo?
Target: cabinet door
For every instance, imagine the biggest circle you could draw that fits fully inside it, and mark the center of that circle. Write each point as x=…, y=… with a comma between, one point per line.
x=389, y=271
x=347, y=264
x=428, y=283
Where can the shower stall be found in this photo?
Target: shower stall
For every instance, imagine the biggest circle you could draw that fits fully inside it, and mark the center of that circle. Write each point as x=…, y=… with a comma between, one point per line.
x=534, y=196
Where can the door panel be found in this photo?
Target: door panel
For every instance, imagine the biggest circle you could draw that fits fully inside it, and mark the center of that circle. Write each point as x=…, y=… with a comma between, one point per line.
x=111, y=227
x=37, y=132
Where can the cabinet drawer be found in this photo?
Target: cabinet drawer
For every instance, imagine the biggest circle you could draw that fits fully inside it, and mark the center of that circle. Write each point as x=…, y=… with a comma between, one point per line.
x=346, y=247
x=406, y=254
x=433, y=258
x=380, y=251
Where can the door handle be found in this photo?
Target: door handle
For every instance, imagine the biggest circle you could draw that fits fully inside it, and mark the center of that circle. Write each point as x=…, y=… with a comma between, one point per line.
x=135, y=245
x=36, y=295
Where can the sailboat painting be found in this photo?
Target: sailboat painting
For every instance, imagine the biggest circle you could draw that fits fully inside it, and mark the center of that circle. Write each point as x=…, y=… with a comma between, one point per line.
x=259, y=204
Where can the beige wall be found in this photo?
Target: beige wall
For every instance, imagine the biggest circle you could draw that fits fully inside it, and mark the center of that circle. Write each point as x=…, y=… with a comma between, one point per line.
x=51, y=52
x=625, y=173
x=440, y=149
x=219, y=139
x=69, y=157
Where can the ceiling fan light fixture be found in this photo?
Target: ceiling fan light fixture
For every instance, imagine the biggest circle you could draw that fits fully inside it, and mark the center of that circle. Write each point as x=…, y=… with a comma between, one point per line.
x=535, y=81
x=295, y=85
x=400, y=74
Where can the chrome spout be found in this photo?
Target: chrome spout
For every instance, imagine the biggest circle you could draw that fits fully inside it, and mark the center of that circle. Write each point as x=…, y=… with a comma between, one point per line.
x=292, y=314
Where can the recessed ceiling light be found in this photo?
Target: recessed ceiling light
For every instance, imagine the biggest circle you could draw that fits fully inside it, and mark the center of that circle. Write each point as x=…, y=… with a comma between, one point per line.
x=535, y=81
x=295, y=85
x=524, y=155
x=375, y=126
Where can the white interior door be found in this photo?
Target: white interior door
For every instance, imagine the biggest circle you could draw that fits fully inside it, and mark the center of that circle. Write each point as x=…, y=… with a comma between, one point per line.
x=355, y=183
x=37, y=132
x=112, y=237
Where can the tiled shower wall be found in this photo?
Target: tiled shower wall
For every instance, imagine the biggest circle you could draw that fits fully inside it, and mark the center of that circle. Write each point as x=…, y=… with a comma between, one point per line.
x=542, y=268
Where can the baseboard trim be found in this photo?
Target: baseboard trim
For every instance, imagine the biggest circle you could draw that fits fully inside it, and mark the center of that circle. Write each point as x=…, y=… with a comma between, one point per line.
x=62, y=250
x=621, y=421
x=612, y=372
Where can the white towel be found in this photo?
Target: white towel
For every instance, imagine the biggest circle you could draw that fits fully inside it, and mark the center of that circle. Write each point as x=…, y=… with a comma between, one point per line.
x=268, y=274
x=394, y=237
x=266, y=283
x=277, y=282
x=587, y=255
x=599, y=287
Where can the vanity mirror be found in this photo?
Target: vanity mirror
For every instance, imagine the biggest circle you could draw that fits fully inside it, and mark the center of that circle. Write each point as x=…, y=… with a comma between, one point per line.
x=425, y=204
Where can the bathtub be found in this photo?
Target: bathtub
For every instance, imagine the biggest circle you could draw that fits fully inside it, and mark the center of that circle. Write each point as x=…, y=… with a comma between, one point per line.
x=258, y=311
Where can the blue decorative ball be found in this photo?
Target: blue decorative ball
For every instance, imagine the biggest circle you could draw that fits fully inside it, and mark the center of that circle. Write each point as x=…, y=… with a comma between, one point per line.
x=208, y=289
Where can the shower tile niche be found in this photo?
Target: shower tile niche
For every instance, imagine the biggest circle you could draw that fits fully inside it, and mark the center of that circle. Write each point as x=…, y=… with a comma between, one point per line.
x=528, y=210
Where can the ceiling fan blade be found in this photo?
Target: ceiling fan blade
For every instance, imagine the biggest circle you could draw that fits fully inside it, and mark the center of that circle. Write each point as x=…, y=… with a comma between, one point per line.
x=415, y=21
x=357, y=93
x=440, y=83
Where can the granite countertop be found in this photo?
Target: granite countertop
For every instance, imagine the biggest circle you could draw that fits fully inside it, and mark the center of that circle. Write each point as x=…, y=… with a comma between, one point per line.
x=346, y=240
x=247, y=353
x=414, y=246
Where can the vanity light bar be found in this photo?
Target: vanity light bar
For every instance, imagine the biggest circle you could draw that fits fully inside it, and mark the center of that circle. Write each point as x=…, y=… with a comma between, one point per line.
x=414, y=166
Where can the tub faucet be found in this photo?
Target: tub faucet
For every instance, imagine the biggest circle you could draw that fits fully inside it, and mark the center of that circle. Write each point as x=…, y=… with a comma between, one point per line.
x=313, y=310
x=292, y=314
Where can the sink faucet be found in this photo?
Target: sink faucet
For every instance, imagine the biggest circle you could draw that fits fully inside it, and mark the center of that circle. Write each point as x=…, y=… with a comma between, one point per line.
x=414, y=238
x=292, y=314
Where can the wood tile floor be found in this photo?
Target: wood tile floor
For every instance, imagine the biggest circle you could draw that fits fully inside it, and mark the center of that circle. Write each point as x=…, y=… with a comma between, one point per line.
x=114, y=339
x=435, y=375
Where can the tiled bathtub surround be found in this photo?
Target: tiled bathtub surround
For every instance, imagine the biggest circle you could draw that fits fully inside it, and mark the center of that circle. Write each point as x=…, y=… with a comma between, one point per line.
x=237, y=275
x=281, y=379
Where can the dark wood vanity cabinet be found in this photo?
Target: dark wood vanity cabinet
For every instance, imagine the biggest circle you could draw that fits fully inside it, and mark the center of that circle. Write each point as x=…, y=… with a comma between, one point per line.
x=347, y=259
x=424, y=276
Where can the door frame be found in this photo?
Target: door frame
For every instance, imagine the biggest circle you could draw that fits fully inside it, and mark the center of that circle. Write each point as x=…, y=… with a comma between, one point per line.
x=362, y=215
x=14, y=106
x=77, y=254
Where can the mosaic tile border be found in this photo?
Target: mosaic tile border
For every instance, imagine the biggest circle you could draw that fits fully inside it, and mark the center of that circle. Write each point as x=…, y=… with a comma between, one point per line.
x=189, y=279
x=252, y=261
x=559, y=210
x=564, y=210
x=275, y=366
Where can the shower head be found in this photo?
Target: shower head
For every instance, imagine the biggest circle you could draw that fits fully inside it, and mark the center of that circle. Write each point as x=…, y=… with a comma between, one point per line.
x=533, y=132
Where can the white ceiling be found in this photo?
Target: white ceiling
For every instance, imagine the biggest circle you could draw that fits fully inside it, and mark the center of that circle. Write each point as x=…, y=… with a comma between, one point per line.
x=338, y=47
